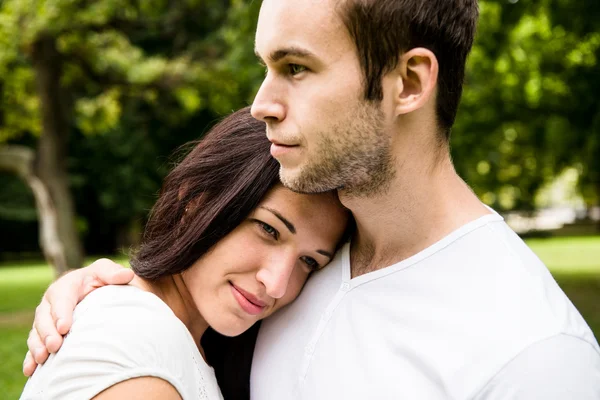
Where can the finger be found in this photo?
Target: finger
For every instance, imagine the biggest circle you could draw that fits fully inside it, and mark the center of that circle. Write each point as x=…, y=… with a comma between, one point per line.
x=36, y=347
x=61, y=298
x=53, y=343
x=122, y=276
x=61, y=315
x=110, y=273
x=44, y=327
x=29, y=365
x=64, y=294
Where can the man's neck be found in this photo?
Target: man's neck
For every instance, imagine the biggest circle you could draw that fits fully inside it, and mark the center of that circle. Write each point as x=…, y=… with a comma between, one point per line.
x=425, y=202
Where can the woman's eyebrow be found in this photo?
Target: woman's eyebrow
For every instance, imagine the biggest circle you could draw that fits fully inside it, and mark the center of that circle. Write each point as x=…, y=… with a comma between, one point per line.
x=325, y=253
x=292, y=228
x=287, y=223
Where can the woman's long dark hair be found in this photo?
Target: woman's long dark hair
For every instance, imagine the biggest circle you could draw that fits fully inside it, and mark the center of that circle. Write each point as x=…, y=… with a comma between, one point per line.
x=203, y=199
x=206, y=196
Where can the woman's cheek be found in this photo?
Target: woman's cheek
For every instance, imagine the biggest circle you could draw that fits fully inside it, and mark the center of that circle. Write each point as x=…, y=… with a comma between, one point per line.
x=297, y=281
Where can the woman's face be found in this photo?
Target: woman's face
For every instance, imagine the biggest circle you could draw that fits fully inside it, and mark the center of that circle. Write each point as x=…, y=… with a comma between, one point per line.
x=262, y=264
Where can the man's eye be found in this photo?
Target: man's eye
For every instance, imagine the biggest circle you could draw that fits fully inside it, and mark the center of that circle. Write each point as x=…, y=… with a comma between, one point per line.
x=295, y=69
x=311, y=263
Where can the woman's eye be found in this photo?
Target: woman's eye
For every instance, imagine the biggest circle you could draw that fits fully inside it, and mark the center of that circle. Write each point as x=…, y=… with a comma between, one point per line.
x=269, y=230
x=295, y=69
x=311, y=263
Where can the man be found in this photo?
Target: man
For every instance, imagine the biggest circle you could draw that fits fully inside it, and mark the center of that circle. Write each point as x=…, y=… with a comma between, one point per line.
x=435, y=297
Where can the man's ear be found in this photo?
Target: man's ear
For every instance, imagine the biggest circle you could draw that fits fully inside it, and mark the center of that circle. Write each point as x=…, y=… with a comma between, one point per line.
x=416, y=79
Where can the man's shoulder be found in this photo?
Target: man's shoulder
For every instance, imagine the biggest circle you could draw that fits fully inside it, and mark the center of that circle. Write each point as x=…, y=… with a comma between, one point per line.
x=557, y=368
x=491, y=242
x=500, y=278
x=506, y=301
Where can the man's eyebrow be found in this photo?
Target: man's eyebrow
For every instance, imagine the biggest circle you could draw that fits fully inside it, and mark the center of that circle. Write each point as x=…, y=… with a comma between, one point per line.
x=285, y=52
x=287, y=223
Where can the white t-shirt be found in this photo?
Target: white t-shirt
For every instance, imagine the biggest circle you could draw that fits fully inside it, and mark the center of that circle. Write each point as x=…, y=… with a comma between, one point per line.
x=120, y=333
x=475, y=316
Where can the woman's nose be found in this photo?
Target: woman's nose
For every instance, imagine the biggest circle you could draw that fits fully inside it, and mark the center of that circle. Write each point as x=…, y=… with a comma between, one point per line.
x=275, y=275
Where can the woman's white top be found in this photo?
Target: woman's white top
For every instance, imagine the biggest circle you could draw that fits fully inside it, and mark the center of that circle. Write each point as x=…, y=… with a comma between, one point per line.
x=120, y=333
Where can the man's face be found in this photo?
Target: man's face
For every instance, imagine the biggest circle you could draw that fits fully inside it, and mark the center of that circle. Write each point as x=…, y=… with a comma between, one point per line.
x=324, y=135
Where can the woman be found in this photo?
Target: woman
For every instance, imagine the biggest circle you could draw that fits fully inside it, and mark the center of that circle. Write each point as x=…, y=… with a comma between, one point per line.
x=225, y=246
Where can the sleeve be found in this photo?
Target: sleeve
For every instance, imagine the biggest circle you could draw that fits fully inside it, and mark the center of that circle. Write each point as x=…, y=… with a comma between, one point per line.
x=562, y=367
x=108, y=345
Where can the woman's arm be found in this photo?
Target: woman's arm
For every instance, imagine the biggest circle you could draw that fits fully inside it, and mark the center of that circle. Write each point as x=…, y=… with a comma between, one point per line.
x=144, y=388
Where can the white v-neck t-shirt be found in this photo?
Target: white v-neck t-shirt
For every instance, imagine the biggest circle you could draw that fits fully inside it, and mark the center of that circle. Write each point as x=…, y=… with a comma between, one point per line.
x=475, y=316
x=121, y=333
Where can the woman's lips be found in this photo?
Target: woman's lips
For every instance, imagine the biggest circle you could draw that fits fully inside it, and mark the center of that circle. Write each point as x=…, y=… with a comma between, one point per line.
x=247, y=301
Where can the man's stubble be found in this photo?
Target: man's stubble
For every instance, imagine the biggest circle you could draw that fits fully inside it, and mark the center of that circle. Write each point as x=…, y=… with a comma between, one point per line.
x=353, y=156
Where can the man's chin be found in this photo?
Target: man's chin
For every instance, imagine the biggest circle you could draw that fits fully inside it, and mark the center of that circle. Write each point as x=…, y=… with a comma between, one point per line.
x=291, y=179
x=299, y=181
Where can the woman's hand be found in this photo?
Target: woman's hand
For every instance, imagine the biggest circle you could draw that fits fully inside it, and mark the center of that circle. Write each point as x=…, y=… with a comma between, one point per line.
x=54, y=315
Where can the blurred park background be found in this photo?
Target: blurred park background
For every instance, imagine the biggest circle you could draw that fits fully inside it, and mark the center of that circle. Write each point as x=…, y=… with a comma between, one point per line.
x=96, y=95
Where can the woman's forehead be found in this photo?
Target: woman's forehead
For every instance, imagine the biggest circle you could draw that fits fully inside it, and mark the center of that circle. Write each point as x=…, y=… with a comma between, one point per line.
x=301, y=205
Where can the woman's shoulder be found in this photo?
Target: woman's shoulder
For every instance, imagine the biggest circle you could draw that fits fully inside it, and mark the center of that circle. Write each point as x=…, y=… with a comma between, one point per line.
x=121, y=298
x=119, y=333
x=126, y=308
x=131, y=317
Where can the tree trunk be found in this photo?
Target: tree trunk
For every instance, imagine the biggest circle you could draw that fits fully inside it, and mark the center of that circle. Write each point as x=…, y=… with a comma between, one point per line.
x=51, y=161
x=20, y=161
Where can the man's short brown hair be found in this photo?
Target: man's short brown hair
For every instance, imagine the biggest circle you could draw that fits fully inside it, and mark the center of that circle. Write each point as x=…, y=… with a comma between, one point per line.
x=384, y=29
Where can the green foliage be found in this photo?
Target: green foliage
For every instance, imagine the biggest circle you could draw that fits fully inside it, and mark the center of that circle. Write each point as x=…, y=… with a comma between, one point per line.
x=141, y=78
x=16, y=200
x=187, y=54
x=529, y=108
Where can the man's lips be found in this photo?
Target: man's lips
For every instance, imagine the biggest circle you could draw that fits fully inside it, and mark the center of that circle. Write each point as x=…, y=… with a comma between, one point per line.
x=278, y=149
x=247, y=301
x=284, y=143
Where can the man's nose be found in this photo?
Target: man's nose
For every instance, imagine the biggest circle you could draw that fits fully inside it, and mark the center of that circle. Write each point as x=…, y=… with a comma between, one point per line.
x=275, y=275
x=268, y=105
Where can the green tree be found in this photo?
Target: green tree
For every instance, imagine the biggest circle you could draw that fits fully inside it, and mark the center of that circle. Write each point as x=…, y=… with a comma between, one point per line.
x=529, y=108
x=72, y=66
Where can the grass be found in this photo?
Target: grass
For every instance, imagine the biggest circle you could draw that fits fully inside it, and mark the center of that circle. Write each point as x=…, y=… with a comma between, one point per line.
x=12, y=352
x=569, y=255
x=22, y=285
x=21, y=288
x=574, y=262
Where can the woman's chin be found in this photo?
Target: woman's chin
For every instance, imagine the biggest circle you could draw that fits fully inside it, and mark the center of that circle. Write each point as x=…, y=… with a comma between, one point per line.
x=231, y=328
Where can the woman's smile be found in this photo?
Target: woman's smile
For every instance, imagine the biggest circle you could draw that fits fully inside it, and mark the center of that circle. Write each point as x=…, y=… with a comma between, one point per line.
x=248, y=302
